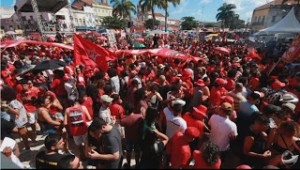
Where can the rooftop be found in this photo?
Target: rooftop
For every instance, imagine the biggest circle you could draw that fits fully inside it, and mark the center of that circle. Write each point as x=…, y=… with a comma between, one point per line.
x=276, y=2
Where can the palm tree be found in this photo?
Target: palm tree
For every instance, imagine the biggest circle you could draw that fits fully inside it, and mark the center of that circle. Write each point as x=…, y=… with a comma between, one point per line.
x=123, y=8
x=166, y=6
x=148, y=5
x=225, y=14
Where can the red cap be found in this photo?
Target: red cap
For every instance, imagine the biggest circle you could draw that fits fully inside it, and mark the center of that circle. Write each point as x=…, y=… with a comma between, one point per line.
x=200, y=111
x=277, y=84
x=228, y=99
x=220, y=81
x=191, y=132
x=243, y=167
x=236, y=65
x=200, y=82
x=187, y=73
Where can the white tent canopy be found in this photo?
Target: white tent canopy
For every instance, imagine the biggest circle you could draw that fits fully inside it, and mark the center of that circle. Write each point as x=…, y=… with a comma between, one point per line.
x=289, y=24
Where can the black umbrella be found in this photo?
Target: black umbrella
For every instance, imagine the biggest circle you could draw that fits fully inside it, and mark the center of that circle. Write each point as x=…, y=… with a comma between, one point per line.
x=49, y=64
x=23, y=70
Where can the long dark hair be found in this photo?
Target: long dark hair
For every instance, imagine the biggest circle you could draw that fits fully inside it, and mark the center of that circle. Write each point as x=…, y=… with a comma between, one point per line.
x=210, y=153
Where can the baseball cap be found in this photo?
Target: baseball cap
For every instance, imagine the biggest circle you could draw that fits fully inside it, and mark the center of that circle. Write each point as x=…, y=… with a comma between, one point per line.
x=220, y=81
x=178, y=101
x=243, y=167
x=257, y=95
x=228, y=99
x=200, y=82
x=105, y=98
x=278, y=84
x=291, y=106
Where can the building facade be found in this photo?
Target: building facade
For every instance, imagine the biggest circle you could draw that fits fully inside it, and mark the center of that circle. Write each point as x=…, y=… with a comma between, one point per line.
x=271, y=13
x=101, y=10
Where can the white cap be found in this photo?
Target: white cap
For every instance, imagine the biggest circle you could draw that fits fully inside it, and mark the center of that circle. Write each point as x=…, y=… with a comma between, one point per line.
x=291, y=106
x=178, y=101
x=105, y=98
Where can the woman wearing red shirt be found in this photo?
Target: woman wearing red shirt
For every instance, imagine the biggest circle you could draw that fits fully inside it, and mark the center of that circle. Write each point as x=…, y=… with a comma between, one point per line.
x=208, y=157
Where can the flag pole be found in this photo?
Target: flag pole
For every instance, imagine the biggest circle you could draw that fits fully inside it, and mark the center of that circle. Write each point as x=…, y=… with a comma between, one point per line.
x=274, y=65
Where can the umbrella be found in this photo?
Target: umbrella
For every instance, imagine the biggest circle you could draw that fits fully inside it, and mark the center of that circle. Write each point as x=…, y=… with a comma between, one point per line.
x=136, y=35
x=138, y=45
x=222, y=50
x=140, y=39
x=253, y=55
x=23, y=70
x=11, y=33
x=49, y=64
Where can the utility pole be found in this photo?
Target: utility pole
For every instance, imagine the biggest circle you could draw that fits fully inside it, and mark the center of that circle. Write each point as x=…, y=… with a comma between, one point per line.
x=39, y=18
x=71, y=17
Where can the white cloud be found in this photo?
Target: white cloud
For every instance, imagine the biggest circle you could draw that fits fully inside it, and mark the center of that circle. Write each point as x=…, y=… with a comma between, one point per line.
x=205, y=1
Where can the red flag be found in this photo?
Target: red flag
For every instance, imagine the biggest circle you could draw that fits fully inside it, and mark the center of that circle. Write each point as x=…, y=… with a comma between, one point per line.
x=88, y=53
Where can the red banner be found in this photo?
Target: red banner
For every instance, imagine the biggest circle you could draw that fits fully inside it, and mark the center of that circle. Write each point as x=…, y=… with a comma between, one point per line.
x=12, y=43
x=160, y=52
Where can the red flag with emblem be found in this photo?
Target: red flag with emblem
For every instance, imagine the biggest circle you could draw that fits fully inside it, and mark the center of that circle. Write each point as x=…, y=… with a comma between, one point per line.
x=88, y=53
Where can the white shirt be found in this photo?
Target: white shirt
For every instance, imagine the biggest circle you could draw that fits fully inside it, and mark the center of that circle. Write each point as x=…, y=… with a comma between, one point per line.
x=105, y=114
x=221, y=131
x=22, y=119
x=115, y=82
x=174, y=123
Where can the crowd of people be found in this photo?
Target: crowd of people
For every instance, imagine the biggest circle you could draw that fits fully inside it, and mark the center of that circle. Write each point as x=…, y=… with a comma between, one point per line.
x=224, y=111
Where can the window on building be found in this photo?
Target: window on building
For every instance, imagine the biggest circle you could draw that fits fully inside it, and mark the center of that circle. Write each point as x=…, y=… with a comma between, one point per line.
x=263, y=19
x=273, y=18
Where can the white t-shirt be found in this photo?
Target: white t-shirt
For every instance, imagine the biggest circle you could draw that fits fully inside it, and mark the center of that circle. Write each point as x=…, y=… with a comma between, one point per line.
x=115, y=82
x=174, y=123
x=22, y=119
x=105, y=114
x=221, y=131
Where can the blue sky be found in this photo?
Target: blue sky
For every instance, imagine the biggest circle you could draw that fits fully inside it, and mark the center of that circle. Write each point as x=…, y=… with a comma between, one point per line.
x=203, y=10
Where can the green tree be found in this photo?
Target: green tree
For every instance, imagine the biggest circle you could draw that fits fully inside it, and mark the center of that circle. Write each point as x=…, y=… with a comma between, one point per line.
x=149, y=23
x=149, y=5
x=225, y=14
x=208, y=25
x=166, y=6
x=188, y=23
x=236, y=22
x=114, y=22
x=123, y=8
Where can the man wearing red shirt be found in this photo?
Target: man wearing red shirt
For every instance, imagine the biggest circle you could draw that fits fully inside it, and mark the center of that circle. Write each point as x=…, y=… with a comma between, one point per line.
x=195, y=119
x=75, y=119
x=180, y=148
x=58, y=86
x=115, y=108
x=217, y=92
x=86, y=101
